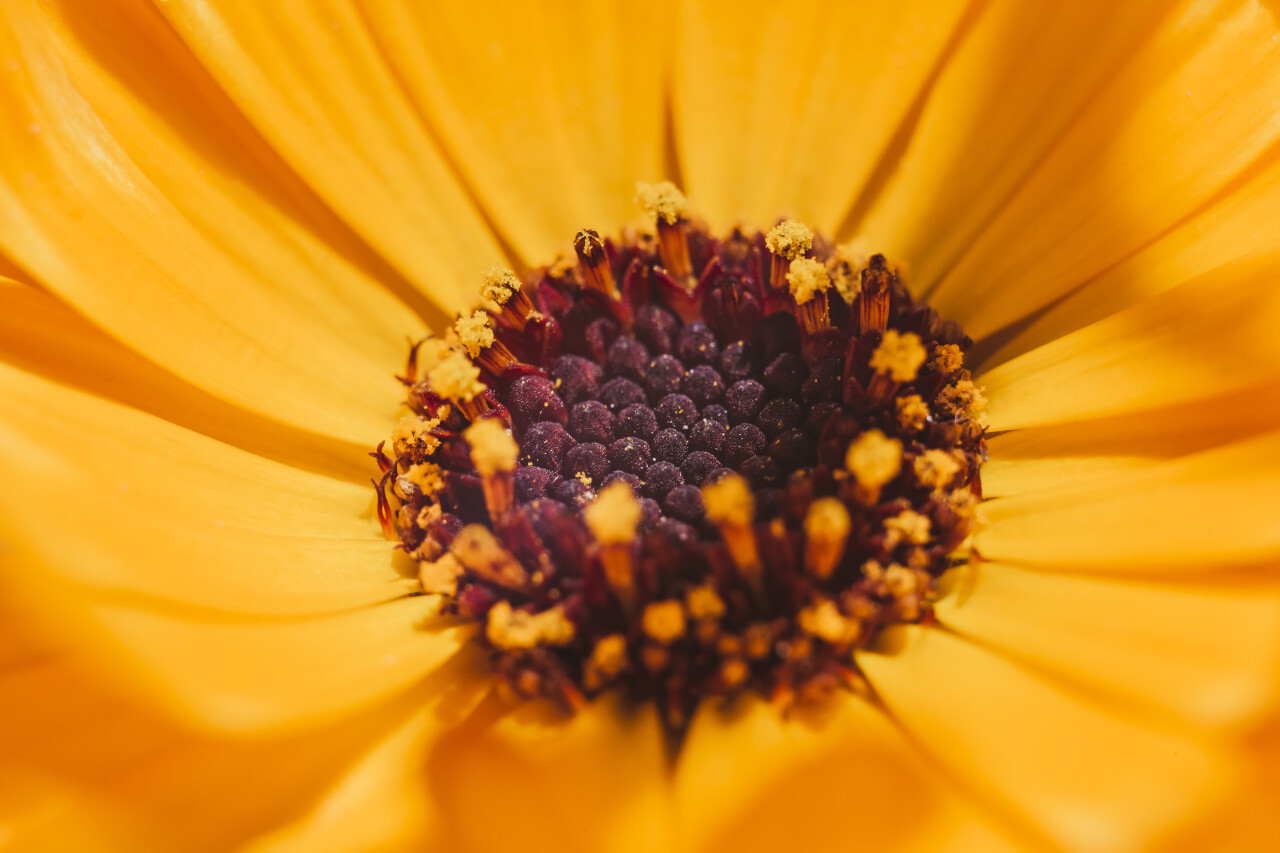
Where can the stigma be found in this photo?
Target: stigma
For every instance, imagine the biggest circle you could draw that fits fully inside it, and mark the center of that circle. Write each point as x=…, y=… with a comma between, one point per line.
x=683, y=465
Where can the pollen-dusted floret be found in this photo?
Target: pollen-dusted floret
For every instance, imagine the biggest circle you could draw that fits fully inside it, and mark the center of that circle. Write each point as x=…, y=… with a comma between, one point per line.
x=664, y=621
x=899, y=356
x=412, y=439
x=426, y=477
x=729, y=501
x=845, y=269
x=499, y=285
x=935, y=469
x=614, y=515
x=947, y=358
x=440, y=577
x=662, y=201
x=874, y=458
x=474, y=332
x=493, y=450
x=456, y=378
x=519, y=629
x=807, y=278
x=825, y=621
x=912, y=413
x=790, y=239
x=963, y=398
x=826, y=527
x=908, y=526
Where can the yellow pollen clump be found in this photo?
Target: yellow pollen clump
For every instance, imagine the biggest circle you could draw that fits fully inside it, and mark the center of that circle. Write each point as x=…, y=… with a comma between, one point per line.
x=499, y=284
x=913, y=412
x=934, y=469
x=440, y=577
x=662, y=201
x=807, y=278
x=789, y=239
x=947, y=358
x=493, y=450
x=899, y=355
x=519, y=629
x=964, y=398
x=827, y=521
x=825, y=621
x=456, y=378
x=845, y=270
x=900, y=580
x=614, y=515
x=412, y=435
x=663, y=621
x=608, y=660
x=874, y=458
x=474, y=332
x=910, y=526
x=427, y=477
x=704, y=603
x=729, y=501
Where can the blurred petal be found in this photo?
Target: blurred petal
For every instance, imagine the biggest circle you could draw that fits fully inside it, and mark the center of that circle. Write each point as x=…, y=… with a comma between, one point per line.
x=1011, y=90
x=1206, y=337
x=785, y=108
x=224, y=289
x=593, y=783
x=841, y=778
x=310, y=78
x=144, y=507
x=1209, y=655
x=1092, y=781
x=1046, y=457
x=42, y=336
x=1204, y=92
x=1206, y=510
x=552, y=112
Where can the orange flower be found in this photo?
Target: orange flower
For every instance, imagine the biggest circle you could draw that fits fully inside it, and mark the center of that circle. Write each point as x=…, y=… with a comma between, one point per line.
x=220, y=220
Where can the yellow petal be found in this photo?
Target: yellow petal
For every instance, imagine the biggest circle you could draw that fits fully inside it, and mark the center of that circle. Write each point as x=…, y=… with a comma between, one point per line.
x=1208, y=655
x=1005, y=97
x=42, y=336
x=1025, y=460
x=310, y=78
x=1206, y=510
x=124, y=780
x=127, y=503
x=841, y=778
x=1203, y=92
x=592, y=783
x=552, y=112
x=1091, y=781
x=786, y=108
x=167, y=245
x=1237, y=227
x=1209, y=336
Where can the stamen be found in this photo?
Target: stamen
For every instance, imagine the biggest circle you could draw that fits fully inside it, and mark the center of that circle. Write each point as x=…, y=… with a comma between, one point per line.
x=874, y=460
x=912, y=413
x=895, y=361
x=494, y=453
x=480, y=553
x=518, y=629
x=476, y=335
x=934, y=469
x=731, y=507
x=809, y=283
x=458, y=380
x=845, y=269
x=826, y=527
x=873, y=297
x=612, y=519
x=667, y=205
x=502, y=287
x=787, y=241
x=664, y=622
x=594, y=263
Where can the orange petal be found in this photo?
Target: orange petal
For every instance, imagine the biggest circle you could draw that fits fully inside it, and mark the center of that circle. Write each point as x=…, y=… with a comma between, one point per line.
x=1091, y=781
x=1204, y=91
x=1025, y=460
x=552, y=112
x=840, y=778
x=310, y=78
x=224, y=287
x=535, y=780
x=786, y=108
x=1206, y=510
x=127, y=503
x=1207, y=337
x=1006, y=96
x=1208, y=655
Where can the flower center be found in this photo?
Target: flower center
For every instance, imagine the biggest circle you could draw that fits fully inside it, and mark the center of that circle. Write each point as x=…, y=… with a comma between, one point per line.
x=685, y=466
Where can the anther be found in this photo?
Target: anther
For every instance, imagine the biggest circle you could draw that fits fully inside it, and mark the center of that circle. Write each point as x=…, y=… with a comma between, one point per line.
x=895, y=361
x=845, y=269
x=458, y=380
x=502, y=287
x=518, y=629
x=809, y=282
x=873, y=296
x=787, y=241
x=478, y=550
x=935, y=469
x=730, y=506
x=594, y=263
x=912, y=413
x=494, y=454
x=874, y=460
x=667, y=205
x=663, y=622
x=612, y=519
x=476, y=335
x=826, y=528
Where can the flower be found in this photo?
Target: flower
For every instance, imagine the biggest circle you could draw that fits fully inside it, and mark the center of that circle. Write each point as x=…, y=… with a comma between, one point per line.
x=224, y=219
